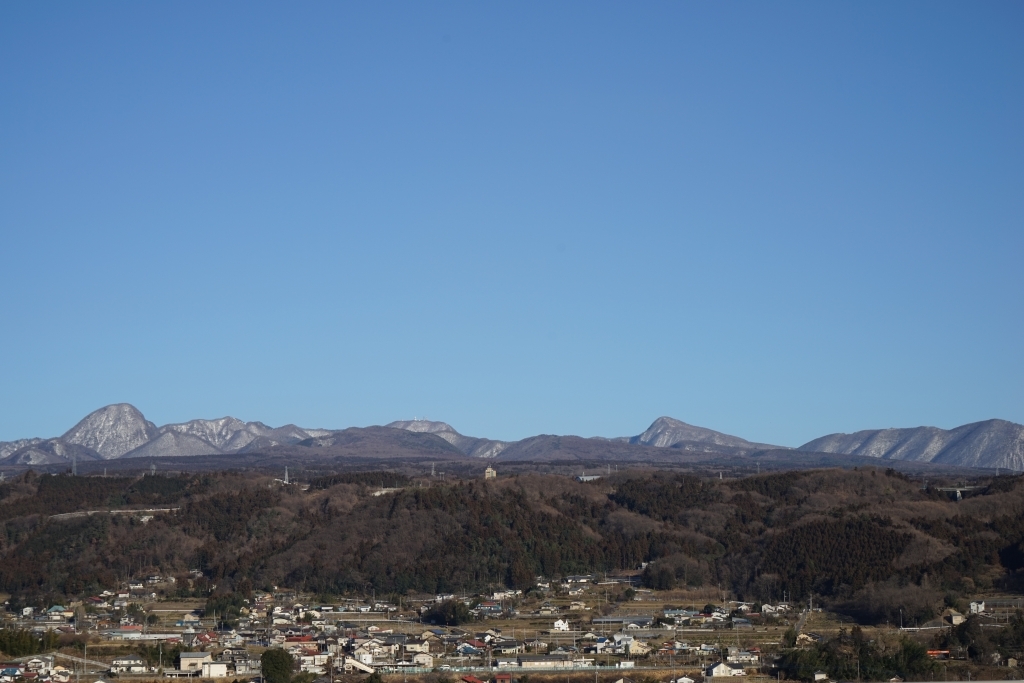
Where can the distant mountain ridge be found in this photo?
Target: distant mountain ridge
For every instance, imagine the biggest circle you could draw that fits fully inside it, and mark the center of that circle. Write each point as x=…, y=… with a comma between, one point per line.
x=666, y=432
x=471, y=446
x=121, y=431
x=991, y=443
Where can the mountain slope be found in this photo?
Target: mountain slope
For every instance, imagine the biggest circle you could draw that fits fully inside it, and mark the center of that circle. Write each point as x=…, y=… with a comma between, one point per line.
x=173, y=443
x=112, y=431
x=121, y=431
x=226, y=433
x=666, y=431
x=472, y=446
x=375, y=442
x=9, y=447
x=992, y=443
x=50, y=452
x=547, y=448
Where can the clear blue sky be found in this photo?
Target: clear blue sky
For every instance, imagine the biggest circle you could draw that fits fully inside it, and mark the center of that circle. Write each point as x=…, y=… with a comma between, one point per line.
x=777, y=220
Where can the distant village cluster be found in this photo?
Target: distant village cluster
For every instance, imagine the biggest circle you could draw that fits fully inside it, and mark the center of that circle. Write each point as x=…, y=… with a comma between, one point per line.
x=363, y=636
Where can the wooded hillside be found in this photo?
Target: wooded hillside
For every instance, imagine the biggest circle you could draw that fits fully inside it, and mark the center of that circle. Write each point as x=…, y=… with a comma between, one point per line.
x=867, y=542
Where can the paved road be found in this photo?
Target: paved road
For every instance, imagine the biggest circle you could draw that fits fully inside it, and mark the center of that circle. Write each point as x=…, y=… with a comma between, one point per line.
x=71, y=658
x=89, y=513
x=803, y=619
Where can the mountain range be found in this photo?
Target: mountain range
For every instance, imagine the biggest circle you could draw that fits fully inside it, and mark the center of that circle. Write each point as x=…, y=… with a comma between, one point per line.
x=991, y=443
x=120, y=431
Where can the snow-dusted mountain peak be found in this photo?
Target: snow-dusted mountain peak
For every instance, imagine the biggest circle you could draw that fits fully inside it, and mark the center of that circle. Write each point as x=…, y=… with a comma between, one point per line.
x=472, y=446
x=112, y=431
x=666, y=431
x=991, y=443
x=428, y=426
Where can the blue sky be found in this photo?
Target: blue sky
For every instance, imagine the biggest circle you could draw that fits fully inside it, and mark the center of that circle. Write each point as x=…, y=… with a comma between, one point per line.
x=778, y=220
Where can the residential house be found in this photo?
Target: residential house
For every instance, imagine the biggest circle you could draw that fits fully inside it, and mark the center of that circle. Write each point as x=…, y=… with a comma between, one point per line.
x=808, y=639
x=745, y=657
x=214, y=670
x=313, y=662
x=680, y=613
x=508, y=647
x=58, y=613
x=40, y=664
x=417, y=646
x=10, y=671
x=193, y=661
x=423, y=659
x=239, y=661
x=723, y=669
x=561, y=625
x=131, y=664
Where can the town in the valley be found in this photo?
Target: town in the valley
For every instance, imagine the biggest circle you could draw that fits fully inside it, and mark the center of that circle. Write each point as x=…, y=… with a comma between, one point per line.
x=606, y=626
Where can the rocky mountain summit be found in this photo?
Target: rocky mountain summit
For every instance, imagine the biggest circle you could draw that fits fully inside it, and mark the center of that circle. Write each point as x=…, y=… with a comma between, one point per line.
x=112, y=431
x=666, y=432
x=121, y=431
x=991, y=443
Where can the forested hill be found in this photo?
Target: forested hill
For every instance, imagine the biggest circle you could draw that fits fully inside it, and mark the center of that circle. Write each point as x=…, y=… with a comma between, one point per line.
x=866, y=542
